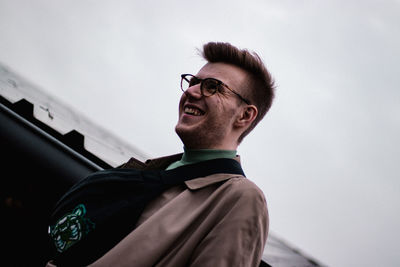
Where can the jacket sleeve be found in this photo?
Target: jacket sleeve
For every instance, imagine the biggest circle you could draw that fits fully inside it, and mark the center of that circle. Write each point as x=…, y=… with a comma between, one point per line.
x=240, y=233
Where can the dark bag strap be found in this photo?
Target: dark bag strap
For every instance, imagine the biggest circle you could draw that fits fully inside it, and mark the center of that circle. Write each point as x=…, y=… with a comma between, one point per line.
x=105, y=207
x=201, y=169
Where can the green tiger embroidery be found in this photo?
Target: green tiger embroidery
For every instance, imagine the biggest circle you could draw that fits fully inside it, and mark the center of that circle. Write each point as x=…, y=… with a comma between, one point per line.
x=71, y=228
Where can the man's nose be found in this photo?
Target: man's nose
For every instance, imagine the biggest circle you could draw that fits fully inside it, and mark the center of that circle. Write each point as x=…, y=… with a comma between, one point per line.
x=194, y=91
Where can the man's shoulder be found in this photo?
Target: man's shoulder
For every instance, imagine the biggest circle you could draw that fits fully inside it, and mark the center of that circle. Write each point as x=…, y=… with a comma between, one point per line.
x=243, y=187
x=243, y=197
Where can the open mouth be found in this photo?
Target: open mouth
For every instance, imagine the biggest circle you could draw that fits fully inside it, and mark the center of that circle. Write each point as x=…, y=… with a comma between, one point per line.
x=193, y=111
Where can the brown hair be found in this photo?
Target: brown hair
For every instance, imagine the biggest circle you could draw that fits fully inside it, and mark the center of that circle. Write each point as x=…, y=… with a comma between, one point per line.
x=260, y=82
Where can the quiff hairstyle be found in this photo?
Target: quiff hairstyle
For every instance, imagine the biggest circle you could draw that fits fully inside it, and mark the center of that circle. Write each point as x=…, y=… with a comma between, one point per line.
x=260, y=83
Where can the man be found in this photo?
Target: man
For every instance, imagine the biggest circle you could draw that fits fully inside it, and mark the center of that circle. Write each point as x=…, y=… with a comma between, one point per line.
x=216, y=220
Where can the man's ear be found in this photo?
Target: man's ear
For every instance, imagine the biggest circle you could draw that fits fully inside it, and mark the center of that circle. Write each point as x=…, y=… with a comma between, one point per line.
x=247, y=116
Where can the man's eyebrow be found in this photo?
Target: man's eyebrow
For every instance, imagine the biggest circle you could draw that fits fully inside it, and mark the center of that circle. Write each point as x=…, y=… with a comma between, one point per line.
x=208, y=77
x=202, y=77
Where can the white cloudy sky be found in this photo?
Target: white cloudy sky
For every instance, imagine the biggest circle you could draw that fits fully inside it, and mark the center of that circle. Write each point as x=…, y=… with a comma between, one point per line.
x=326, y=155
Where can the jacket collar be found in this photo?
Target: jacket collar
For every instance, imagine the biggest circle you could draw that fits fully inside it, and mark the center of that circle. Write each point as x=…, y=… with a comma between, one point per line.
x=152, y=164
x=202, y=182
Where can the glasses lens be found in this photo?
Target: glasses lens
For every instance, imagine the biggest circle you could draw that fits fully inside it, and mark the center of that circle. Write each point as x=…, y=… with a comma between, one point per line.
x=188, y=81
x=210, y=87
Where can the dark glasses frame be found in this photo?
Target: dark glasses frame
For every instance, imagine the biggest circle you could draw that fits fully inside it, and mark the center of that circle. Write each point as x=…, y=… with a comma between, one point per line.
x=187, y=77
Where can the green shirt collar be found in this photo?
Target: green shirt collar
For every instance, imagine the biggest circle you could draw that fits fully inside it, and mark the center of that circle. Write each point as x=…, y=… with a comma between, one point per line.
x=191, y=156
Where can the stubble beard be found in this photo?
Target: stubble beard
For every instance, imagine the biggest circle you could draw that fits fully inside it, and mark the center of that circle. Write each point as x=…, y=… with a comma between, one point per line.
x=202, y=137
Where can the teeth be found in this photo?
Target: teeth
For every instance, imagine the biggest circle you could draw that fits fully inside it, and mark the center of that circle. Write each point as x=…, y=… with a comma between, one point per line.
x=193, y=111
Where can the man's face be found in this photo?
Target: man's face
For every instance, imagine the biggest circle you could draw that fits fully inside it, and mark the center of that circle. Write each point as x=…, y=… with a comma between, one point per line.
x=208, y=122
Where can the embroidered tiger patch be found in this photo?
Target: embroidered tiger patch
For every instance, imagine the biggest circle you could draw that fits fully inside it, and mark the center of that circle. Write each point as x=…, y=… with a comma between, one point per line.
x=71, y=228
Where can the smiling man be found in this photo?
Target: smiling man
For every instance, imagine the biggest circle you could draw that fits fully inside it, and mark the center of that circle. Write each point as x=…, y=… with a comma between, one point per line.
x=214, y=215
x=212, y=115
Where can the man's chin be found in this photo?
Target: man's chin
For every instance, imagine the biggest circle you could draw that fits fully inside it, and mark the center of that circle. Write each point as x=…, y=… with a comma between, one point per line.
x=189, y=137
x=195, y=138
x=183, y=132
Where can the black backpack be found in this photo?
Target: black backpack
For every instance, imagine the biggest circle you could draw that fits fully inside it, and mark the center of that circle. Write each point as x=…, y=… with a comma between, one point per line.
x=99, y=211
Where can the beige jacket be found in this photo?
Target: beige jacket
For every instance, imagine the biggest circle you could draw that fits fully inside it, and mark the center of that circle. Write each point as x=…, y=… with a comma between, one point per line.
x=217, y=220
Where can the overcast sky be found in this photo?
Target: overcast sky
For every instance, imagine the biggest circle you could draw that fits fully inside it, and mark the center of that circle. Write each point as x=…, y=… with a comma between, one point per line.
x=326, y=155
